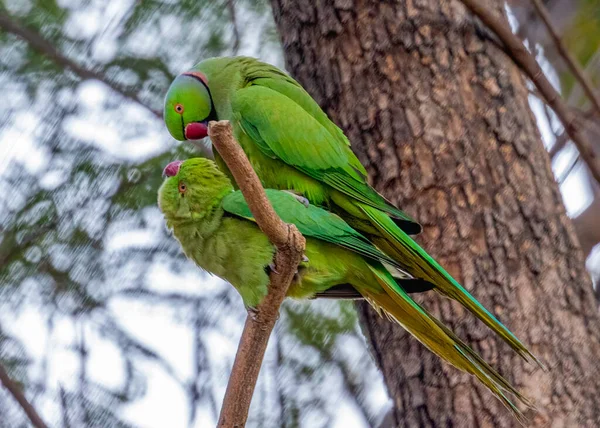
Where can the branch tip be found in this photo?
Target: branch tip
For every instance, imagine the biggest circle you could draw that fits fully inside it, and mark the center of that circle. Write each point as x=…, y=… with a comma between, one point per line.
x=18, y=395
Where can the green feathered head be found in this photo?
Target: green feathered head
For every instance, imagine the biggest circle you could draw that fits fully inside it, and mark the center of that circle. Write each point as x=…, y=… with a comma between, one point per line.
x=189, y=107
x=192, y=189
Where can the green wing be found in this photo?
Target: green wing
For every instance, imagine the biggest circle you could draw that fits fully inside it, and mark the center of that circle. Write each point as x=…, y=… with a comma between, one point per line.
x=311, y=221
x=287, y=124
x=261, y=74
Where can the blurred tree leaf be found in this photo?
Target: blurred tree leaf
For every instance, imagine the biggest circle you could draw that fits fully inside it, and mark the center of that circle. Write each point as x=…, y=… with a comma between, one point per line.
x=81, y=236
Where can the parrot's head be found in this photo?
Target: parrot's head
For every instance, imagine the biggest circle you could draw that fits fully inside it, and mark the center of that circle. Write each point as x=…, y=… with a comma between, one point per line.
x=192, y=188
x=189, y=107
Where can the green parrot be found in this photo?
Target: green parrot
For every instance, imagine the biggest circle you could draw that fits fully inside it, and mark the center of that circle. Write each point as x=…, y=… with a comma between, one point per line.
x=293, y=145
x=217, y=231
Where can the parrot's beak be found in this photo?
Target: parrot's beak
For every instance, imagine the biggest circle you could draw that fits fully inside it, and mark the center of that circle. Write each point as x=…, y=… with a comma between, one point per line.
x=196, y=130
x=172, y=169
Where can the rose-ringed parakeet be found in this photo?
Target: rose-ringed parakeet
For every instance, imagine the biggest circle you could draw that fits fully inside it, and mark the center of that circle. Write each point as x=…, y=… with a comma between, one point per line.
x=216, y=230
x=293, y=145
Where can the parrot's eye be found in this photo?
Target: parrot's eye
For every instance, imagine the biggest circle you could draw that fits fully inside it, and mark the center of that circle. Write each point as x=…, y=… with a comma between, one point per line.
x=179, y=108
x=182, y=187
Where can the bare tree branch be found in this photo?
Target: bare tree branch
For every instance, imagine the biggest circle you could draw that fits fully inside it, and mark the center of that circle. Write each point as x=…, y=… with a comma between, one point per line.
x=559, y=144
x=572, y=62
x=592, y=129
x=590, y=114
x=569, y=170
x=350, y=383
x=261, y=320
x=560, y=140
x=16, y=392
x=64, y=403
x=40, y=44
x=236, y=29
x=278, y=384
x=529, y=65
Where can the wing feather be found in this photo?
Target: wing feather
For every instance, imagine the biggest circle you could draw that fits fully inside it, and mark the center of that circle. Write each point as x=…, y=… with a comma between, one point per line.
x=312, y=222
x=285, y=130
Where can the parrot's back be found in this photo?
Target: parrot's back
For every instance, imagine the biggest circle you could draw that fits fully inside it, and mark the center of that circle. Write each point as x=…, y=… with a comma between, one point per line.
x=293, y=145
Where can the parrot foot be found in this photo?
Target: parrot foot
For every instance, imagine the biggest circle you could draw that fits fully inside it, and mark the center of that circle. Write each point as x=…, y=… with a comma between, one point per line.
x=272, y=268
x=252, y=312
x=298, y=197
x=297, y=279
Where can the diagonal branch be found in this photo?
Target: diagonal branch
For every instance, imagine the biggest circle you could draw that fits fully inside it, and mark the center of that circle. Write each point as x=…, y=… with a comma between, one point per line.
x=559, y=144
x=573, y=64
x=569, y=170
x=517, y=51
x=16, y=392
x=46, y=48
x=261, y=320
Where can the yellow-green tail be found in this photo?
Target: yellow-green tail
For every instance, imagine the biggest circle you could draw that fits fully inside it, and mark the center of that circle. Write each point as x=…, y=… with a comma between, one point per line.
x=413, y=259
x=398, y=305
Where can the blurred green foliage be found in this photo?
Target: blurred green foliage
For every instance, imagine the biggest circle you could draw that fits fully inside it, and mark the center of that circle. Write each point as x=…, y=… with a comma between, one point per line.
x=582, y=38
x=83, y=248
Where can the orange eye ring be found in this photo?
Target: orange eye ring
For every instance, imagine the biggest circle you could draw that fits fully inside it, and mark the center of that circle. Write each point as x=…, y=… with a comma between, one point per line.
x=182, y=187
x=178, y=108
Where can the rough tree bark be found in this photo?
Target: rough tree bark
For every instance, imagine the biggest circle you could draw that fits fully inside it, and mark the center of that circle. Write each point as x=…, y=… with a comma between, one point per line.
x=440, y=118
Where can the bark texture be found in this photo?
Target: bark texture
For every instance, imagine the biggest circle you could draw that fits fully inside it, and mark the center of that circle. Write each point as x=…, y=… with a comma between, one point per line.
x=440, y=118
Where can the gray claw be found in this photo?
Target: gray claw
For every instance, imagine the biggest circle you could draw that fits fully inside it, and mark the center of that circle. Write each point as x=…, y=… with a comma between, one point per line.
x=304, y=258
x=272, y=267
x=252, y=312
x=299, y=198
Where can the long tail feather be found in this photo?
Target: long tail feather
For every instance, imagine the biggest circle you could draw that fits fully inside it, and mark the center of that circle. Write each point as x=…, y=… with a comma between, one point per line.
x=412, y=258
x=439, y=339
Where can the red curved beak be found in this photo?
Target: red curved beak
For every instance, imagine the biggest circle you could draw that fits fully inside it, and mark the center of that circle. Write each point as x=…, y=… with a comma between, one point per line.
x=196, y=130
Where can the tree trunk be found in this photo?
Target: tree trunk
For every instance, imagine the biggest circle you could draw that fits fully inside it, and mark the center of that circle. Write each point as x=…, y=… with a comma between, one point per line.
x=440, y=118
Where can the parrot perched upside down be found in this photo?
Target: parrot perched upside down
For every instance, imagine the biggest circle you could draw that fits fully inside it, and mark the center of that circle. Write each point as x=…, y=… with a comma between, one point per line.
x=293, y=145
x=216, y=230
